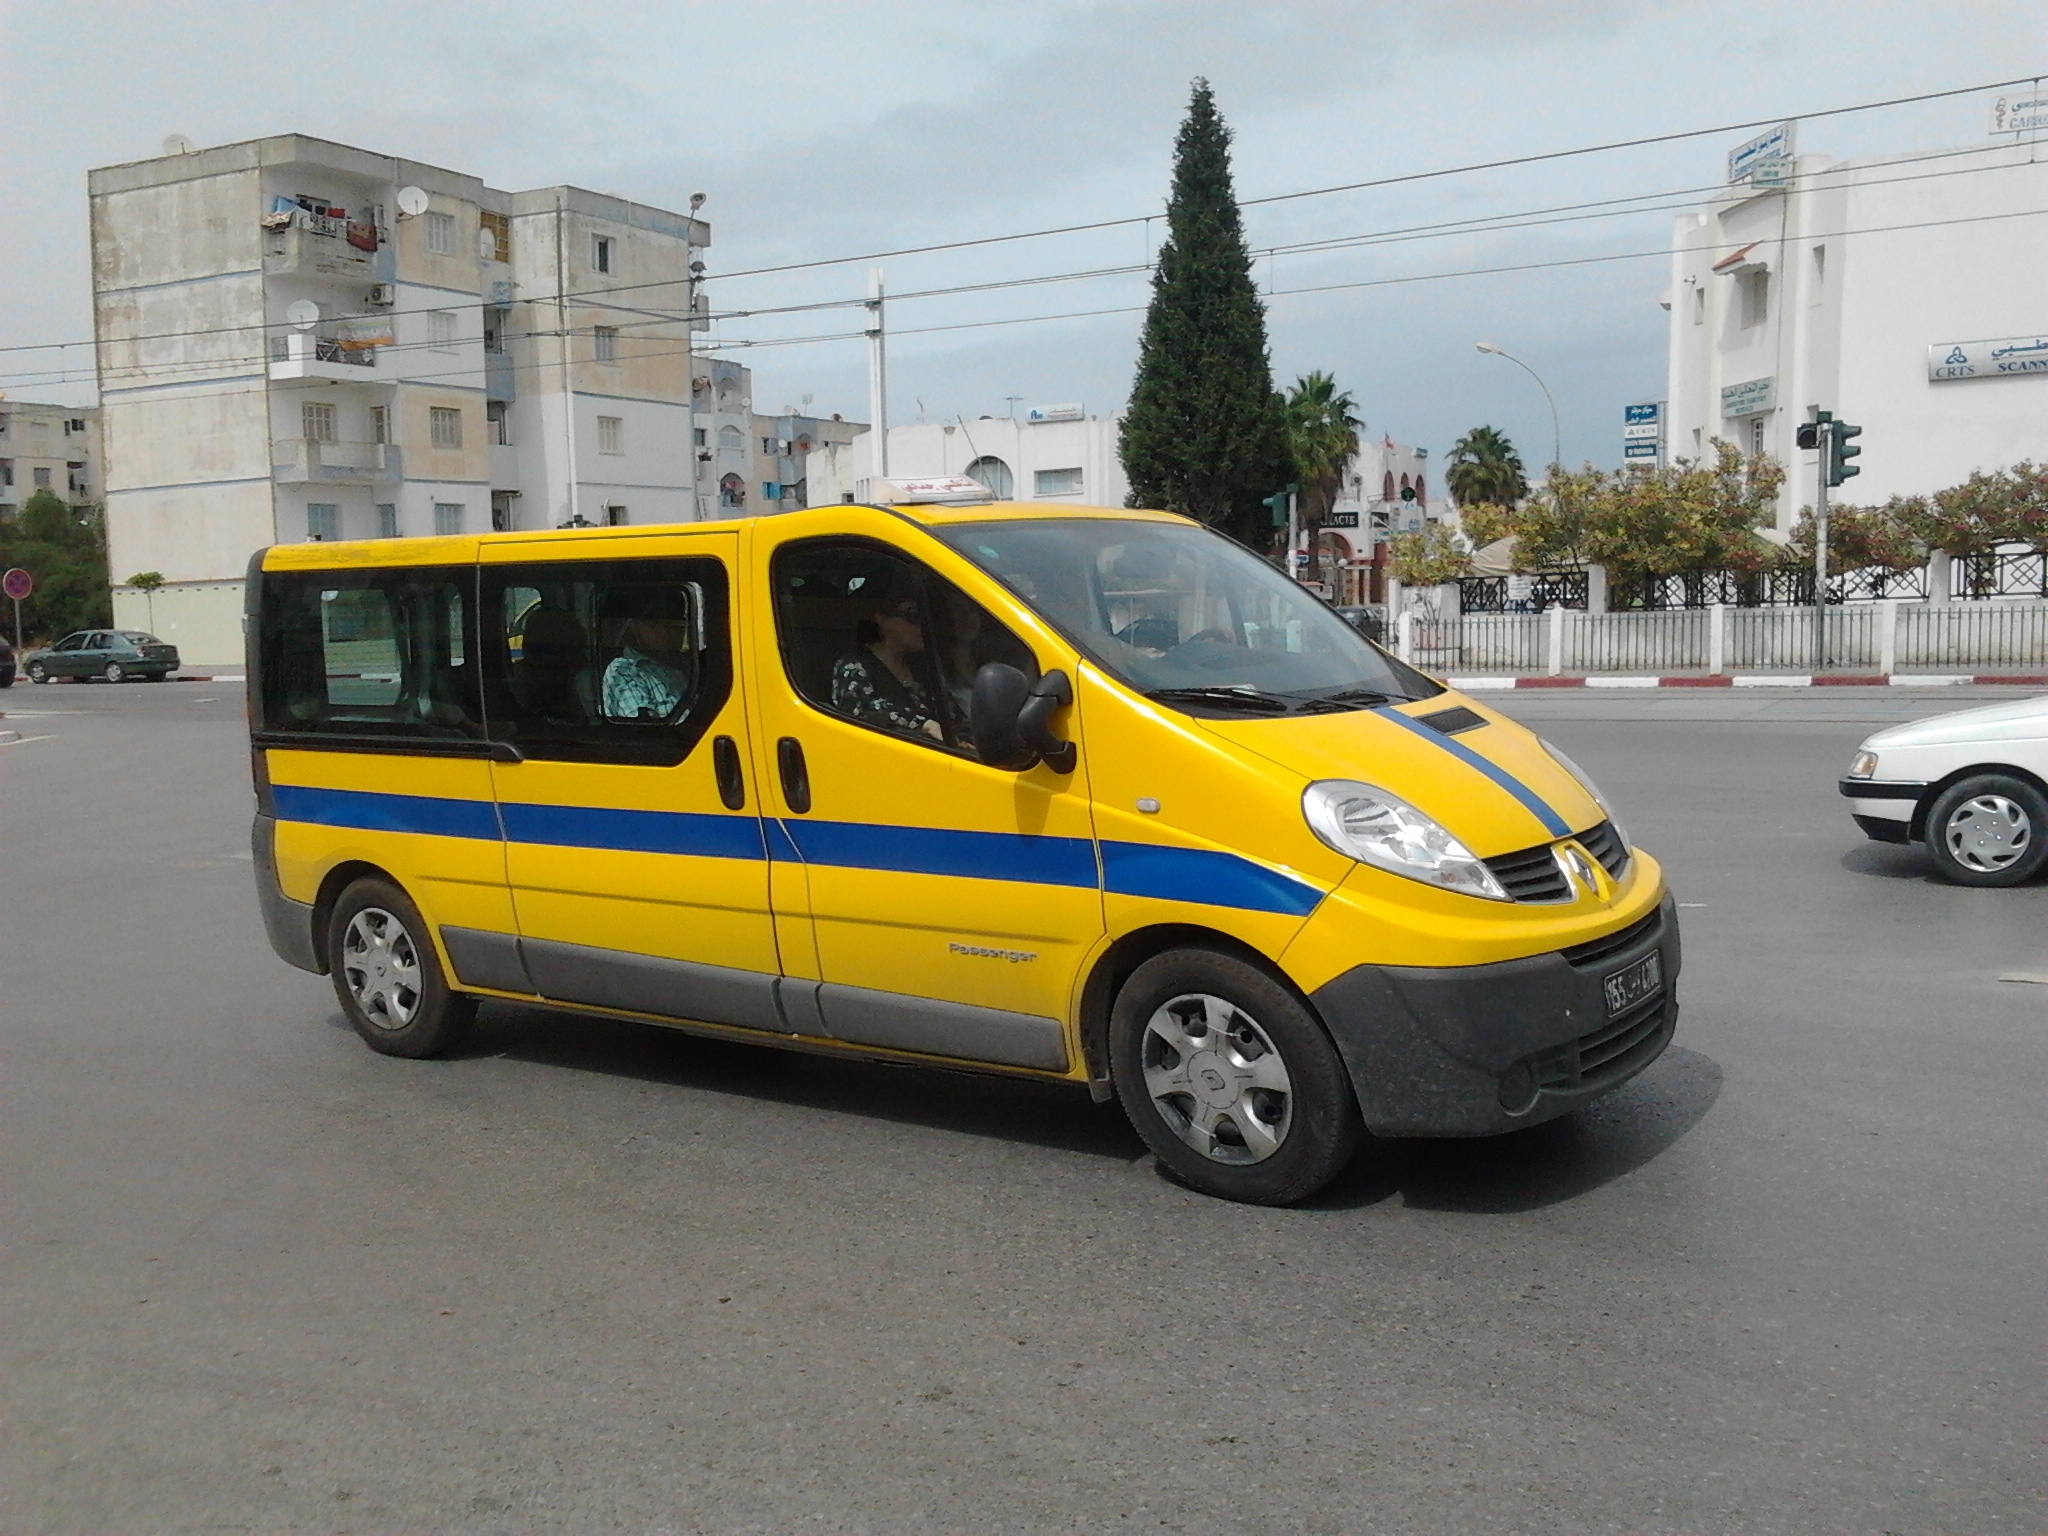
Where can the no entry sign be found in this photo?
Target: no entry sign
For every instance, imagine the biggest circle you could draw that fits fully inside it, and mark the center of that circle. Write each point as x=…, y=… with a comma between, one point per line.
x=17, y=584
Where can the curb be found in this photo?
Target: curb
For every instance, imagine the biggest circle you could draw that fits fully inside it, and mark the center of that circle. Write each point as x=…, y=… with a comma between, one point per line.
x=1755, y=680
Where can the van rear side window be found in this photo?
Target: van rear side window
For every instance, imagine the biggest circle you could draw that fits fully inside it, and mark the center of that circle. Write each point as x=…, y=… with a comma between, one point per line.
x=370, y=653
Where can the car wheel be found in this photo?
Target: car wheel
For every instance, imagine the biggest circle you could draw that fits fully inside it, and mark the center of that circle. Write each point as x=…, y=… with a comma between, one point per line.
x=1232, y=1081
x=387, y=975
x=114, y=672
x=38, y=673
x=1990, y=829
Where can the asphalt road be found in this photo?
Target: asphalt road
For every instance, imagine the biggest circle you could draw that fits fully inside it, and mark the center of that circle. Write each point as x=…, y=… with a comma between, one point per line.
x=591, y=1277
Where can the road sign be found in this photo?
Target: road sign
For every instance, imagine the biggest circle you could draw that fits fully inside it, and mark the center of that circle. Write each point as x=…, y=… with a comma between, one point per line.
x=1636, y=415
x=1774, y=145
x=1641, y=450
x=17, y=584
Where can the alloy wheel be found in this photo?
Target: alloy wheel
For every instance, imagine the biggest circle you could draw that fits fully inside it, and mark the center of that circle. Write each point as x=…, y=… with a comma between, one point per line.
x=381, y=968
x=1217, y=1079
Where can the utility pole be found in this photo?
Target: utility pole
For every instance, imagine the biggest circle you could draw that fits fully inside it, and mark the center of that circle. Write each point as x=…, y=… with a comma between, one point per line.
x=1820, y=547
x=878, y=376
x=562, y=332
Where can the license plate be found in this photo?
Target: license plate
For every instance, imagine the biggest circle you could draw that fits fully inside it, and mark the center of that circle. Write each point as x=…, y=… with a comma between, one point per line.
x=1630, y=985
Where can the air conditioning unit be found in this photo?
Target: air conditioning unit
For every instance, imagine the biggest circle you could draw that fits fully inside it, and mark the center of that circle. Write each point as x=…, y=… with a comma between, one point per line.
x=384, y=293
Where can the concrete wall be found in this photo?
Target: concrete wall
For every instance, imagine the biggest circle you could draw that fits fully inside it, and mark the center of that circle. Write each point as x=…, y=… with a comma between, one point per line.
x=202, y=619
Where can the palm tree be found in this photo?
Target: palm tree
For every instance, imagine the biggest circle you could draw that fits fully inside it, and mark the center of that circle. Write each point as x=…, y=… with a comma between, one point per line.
x=1322, y=434
x=1484, y=469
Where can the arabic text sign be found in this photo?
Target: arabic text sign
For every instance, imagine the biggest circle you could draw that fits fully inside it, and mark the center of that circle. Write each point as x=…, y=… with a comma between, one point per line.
x=1641, y=450
x=2005, y=358
x=1774, y=145
x=2017, y=114
x=1633, y=414
x=1752, y=397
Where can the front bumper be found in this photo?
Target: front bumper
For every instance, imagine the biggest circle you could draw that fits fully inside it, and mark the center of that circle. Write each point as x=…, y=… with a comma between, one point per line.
x=1885, y=810
x=1477, y=1050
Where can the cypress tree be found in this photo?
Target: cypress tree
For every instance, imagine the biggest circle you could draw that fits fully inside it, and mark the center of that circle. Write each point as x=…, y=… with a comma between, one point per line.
x=1203, y=435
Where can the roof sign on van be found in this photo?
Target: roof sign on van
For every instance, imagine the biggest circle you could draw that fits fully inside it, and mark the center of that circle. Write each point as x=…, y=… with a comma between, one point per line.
x=941, y=490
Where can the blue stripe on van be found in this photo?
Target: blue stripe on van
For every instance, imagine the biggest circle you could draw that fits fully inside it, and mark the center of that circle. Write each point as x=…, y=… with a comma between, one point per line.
x=1024, y=857
x=372, y=812
x=586, y=826
x=1552, y=823
x=1204, y=875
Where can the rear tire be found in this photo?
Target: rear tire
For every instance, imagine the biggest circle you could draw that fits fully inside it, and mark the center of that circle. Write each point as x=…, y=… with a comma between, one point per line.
x=1989, y=830
x=1234, y=1084
x=387, y=975
x=114, y=672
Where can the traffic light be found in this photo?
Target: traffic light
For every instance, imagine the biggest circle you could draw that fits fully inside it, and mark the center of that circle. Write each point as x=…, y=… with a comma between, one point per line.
x=1840, y=452
x=1808, y=435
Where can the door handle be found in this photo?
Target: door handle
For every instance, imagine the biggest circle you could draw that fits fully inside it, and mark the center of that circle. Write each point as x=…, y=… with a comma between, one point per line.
x=725, y=762
x=796, y=777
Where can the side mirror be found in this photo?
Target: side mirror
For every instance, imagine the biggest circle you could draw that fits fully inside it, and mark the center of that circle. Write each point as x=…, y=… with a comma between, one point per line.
x=1012, y=719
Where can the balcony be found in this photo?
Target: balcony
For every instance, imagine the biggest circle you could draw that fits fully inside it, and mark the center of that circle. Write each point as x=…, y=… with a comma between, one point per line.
x=299, y=355
x=498, y=376
x=308, y=461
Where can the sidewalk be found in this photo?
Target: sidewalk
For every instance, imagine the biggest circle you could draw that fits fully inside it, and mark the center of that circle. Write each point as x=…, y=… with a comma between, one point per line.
x=1477, y=684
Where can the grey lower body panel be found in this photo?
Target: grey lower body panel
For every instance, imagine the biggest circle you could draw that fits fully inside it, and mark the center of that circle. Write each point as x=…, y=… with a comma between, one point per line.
x=864, y=1017
x=483, y=959
x=677, y=989
x=288, y=923
x=1477, y=1050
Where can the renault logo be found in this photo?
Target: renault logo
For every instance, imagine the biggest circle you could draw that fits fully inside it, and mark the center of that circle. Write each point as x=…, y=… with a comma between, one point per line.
x=1579, y=867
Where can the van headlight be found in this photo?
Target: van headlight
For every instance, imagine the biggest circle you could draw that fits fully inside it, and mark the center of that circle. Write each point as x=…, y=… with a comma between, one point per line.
x=1385, y=831
x=1586, y=783
x=1863, y=765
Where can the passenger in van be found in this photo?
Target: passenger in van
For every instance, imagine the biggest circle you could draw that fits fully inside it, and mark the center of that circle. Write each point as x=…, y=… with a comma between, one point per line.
x=650, y=677
x=876, y=684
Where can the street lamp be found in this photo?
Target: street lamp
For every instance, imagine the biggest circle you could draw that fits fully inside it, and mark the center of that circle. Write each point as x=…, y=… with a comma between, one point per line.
x=1556, y=440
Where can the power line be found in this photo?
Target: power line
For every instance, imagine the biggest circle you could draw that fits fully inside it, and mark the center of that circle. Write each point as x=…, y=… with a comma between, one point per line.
x=1279, y=197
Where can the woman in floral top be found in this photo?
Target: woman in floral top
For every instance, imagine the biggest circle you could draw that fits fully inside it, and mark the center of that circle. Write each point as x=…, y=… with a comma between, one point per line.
x=876, y=685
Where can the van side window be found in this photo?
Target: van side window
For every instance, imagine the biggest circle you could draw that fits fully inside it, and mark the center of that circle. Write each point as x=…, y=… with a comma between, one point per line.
x=875, y=637
x=377, y=653
x=606, y=661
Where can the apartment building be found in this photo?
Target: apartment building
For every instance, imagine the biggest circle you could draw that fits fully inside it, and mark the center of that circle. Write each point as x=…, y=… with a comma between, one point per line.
x=1901, y=292
x=48, y=448
x=302, y=340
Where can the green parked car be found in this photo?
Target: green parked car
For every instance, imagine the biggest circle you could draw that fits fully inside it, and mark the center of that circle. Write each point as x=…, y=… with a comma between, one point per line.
x=114, y=654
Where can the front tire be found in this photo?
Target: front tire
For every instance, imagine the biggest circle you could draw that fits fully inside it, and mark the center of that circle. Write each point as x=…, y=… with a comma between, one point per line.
x=1989, y=830
x=114, y=672
x=38, y=673
x=387, y=976
x=1232, y=1081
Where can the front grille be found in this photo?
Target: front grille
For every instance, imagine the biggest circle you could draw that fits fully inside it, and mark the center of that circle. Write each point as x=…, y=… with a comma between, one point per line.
x=1531, y=875
x=1605, y=844
x=1593, y=951
x=1605, y=1055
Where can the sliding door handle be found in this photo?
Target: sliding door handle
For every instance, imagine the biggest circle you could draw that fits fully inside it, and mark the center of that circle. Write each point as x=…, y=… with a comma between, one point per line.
x=725, y=762
x=796, y=777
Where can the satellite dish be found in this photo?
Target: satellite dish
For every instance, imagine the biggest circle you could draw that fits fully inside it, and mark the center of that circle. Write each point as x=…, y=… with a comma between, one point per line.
x=486, y=245
x=412, y=202
x=178, y=144
x=303, y=314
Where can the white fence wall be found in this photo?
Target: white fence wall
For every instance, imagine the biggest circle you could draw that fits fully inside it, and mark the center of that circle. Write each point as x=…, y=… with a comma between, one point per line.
x=1989, y=636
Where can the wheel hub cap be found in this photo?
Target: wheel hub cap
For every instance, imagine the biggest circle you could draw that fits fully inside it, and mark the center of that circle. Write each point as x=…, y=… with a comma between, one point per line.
x=1217, y=1079
x=1989, y=832
x=381, y=968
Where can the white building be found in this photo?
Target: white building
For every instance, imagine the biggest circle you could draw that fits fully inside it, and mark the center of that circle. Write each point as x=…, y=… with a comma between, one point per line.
x=300, y=340
x=1901, y=293
x=52, y=448
x=1054, y=453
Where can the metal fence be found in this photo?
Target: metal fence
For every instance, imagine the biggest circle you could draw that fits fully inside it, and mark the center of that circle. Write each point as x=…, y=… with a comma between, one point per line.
x=1889, y=637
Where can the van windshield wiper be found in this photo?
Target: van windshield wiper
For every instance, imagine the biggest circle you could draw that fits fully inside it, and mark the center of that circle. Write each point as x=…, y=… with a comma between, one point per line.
x=1256, y=700
x=1348, y=698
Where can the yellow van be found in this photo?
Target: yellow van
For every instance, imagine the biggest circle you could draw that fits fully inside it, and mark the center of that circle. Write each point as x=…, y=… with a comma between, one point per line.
x=1077, y=794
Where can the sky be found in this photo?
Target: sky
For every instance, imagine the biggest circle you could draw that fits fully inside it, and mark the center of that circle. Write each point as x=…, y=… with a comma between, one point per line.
x=821, y=130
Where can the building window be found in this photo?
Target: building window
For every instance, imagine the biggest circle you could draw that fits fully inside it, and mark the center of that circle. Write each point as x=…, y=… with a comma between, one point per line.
x=771, y=490
x=616, y=517
x=994, y=476
x=771, y=446
x=499, y=227
x=699, y=438
x=1421, y=492
x=441, y=326
x=494, y=330
x=444, y=426
x=447, y=517
x=611, y=434
x=316, y=421
x=601, y=253
x=1057, y=482
x=498, y=423
x=732, y=492
x=1755, y=296
x=731, y=440
x=1699, y=305
x=1820, y=275
x=440, y=234
x=75, y=424
x=387, y=520
x=42, y=479
x=323, y=522
x=380, y=423
x=607, y=339
x=1387, y=486
x=6, y=471
x=1756, y=436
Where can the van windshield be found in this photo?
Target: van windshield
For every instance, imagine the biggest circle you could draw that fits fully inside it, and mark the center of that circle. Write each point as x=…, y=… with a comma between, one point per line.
x=1185, y=616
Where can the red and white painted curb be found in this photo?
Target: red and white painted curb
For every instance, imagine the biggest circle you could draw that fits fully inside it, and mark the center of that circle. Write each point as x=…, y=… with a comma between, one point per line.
x=1755, y=680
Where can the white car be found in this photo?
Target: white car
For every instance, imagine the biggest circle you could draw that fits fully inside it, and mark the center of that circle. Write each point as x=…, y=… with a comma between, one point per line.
x=1972, y=786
